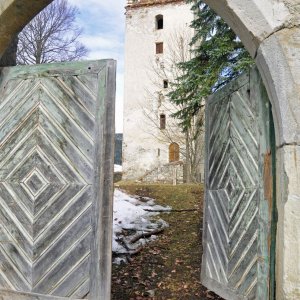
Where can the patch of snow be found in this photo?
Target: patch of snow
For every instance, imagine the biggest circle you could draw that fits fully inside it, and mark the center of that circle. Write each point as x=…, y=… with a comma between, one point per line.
x=118, y=168
x=134, y=213
x=120, y=260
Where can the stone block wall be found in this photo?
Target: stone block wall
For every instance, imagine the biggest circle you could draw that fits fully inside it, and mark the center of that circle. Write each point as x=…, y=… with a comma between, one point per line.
x=171, y=173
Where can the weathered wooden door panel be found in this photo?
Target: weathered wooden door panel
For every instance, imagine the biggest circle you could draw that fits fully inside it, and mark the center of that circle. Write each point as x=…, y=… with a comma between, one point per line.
x=56, y=133
x=237, y=211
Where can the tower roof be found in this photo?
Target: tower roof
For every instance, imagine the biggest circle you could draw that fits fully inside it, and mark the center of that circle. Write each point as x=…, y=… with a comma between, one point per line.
x=141, y=3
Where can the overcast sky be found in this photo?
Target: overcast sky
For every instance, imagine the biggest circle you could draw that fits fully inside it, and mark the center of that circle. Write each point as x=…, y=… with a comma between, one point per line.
x=103, y=24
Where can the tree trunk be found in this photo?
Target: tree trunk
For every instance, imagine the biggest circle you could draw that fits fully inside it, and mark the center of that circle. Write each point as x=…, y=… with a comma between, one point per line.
x=187, y=157
x=9, y=58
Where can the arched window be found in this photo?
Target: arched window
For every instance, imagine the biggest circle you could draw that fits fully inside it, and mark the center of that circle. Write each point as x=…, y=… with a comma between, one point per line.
x=173, y=152
x=162, y=120
x=159, y=20
x=166, y=83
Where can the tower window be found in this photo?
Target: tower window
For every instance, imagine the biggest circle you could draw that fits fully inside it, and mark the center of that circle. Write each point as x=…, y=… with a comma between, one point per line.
x=159, y=20
x=166, y=84
x=162, y=119
x=159, y=48
x=160, y=98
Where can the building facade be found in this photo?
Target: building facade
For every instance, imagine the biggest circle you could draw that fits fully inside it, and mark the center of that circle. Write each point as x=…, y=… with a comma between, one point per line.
x=157, y=37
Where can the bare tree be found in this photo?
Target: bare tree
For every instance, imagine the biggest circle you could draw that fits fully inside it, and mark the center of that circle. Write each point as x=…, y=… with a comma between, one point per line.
x=51, y=36
x=165, y=69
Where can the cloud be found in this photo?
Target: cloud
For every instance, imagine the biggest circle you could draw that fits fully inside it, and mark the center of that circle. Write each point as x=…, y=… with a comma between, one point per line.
x=109, y=15
x=103, y=24
x=103, y=4
x=102, y=42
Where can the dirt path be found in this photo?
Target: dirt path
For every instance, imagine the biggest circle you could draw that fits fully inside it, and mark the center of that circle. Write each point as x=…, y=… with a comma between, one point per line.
x=168, y=268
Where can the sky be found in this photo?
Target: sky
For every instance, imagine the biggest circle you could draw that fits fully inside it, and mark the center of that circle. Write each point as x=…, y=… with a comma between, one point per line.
x=103, y=24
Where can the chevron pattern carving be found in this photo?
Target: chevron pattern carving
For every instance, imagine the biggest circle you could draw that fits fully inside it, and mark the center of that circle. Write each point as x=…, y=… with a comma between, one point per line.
x=46, y=176
x=233, y=193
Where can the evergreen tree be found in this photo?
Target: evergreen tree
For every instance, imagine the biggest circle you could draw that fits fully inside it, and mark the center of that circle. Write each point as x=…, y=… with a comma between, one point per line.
x=218, y=57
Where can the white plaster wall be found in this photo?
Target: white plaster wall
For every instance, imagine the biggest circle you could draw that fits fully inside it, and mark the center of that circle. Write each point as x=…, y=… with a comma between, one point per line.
x=141, y=144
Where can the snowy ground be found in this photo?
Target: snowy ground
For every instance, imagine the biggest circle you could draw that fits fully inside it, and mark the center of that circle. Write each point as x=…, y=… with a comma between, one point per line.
x=135, y=224
x=118, y=168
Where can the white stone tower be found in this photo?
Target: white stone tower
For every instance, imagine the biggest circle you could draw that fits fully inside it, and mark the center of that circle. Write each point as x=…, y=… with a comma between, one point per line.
x=157, y=34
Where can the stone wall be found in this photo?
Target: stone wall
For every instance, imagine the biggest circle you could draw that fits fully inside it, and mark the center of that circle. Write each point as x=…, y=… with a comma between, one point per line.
x=171, y=173
x=145, y=146
x=14, y=15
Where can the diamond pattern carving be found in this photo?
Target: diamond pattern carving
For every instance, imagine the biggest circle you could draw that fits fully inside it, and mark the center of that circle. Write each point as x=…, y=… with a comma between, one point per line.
x=46, y=176
x=232, y=218
x=35, y=182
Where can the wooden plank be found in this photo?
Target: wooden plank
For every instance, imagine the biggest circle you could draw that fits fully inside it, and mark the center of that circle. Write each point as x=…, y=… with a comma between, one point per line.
x=70, y=104
x=62, y=266
x=265, y=203
x=72, y=128
x=84, y=93
x=56, y=167
x=103, y=192
x=58, y=216
x=236, y=230
x=83, y=166
x=9, y=295
x=80, y=276
x=59, y=246
x=77, y=68
x=58, y=158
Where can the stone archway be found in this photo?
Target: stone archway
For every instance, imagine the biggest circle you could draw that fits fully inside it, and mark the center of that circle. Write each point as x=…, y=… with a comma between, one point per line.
x=14, y=15
x=270, y=30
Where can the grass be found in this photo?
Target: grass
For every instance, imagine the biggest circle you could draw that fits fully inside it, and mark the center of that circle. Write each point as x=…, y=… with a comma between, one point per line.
x=170, y=267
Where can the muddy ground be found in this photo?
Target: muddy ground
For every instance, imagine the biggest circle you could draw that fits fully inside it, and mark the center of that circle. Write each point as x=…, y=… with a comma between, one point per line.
x=168, y=268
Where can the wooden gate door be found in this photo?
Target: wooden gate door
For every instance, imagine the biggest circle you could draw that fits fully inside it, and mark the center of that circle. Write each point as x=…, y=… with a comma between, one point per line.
x=239, y=191
x=56, y=143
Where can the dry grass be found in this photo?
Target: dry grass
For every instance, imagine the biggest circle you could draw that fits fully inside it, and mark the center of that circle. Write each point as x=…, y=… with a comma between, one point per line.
x=168, y=268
